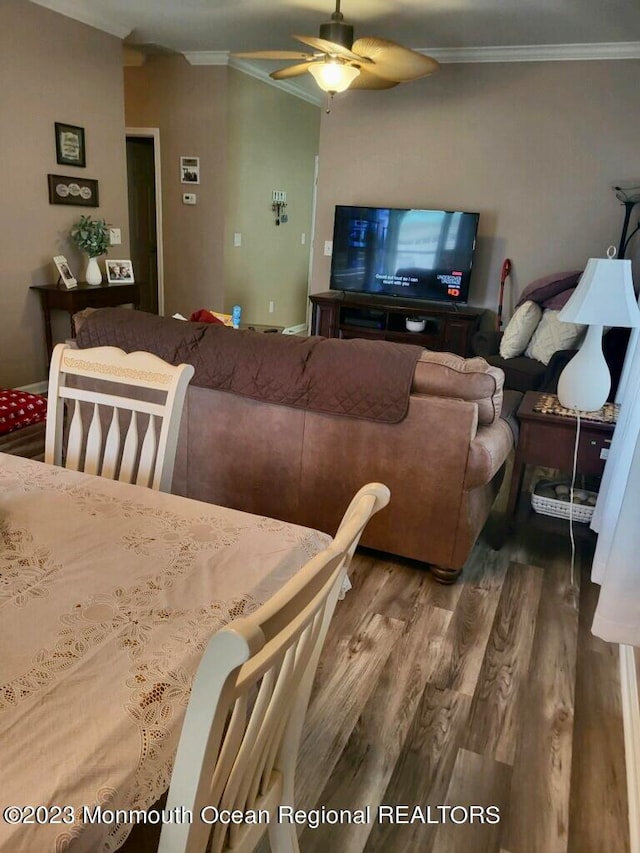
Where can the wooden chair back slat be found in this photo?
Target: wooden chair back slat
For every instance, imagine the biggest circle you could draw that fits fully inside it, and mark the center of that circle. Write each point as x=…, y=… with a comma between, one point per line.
x=147, y=454
x=74, y=446
x=94, y=443
x=130, y=451
x=112, y=448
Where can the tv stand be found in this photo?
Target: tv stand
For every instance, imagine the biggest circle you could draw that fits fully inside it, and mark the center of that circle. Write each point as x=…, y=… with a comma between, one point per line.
x=448, y=328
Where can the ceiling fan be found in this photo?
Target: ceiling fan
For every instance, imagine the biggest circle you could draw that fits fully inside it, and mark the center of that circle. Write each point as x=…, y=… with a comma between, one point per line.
x=339, y=63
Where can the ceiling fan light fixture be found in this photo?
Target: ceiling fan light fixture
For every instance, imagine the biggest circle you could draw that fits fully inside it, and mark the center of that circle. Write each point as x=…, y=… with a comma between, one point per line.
x=332, y=76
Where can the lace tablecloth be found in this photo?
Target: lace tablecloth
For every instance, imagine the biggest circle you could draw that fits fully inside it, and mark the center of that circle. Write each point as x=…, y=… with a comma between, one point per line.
x=108, y=595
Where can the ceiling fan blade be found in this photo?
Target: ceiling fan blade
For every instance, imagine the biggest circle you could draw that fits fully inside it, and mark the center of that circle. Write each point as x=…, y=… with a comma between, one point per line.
x=393, y=61
x=291, y=71
x=329, y=47
x=273, y=54
x=366, y=80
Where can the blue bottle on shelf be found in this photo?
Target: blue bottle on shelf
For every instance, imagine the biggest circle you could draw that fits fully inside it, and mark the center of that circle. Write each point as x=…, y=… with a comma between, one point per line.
x=236, y=311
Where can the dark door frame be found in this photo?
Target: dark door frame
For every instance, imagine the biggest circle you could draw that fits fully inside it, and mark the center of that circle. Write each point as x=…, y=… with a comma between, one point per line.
x=154, y=133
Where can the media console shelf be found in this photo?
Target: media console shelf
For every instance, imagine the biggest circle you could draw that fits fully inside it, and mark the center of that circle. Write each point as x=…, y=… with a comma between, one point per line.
x=337, y=314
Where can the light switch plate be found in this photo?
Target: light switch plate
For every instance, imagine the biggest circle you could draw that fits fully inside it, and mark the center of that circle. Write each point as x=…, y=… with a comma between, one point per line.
x=188, y=198
x=115, y=236
x=237, y=239
x=328, y=248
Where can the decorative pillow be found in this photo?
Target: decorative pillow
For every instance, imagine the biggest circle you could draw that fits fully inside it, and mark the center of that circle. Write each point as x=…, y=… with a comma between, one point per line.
x=19, y=409
x=553, y=335
x=559, y=300
x=519, y=329
x=203, y=315
x=544, y=288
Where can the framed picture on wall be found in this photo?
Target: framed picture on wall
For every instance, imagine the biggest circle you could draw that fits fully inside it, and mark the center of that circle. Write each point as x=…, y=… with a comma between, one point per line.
x=82, y=192
x=190, y=170
x=119, y=272
x=66, y=277
x=70, y=150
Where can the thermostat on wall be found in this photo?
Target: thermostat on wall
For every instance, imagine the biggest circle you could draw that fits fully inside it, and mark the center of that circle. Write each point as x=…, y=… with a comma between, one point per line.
x=188, y=198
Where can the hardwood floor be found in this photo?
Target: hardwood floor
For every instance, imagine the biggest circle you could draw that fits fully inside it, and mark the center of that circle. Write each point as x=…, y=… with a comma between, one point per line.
x=489, y=692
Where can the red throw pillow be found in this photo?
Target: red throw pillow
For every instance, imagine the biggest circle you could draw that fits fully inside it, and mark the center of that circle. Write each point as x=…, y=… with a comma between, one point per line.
x=203, y=315
x=19, y=409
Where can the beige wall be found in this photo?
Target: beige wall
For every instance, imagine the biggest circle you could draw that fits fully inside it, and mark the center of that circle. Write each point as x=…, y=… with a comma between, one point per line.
x=53, y=69
x=188, y=104
x=273, y=142
x=534, y=147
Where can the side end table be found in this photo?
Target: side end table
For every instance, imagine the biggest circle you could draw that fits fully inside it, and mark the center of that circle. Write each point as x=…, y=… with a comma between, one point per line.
x=72, y=300
x=548, y=439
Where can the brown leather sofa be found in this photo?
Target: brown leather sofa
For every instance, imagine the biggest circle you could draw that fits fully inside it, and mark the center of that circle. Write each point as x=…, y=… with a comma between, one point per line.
x=443, y=461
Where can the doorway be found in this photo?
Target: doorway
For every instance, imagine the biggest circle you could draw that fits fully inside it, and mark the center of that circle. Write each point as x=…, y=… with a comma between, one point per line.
x=145, y=222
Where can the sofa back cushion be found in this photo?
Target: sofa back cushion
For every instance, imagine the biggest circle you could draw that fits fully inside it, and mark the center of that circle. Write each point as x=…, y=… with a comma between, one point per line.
x=443, y=374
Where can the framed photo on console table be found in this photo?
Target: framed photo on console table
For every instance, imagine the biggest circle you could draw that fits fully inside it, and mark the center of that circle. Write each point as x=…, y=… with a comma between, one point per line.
x=66, y=277
x=119, y=272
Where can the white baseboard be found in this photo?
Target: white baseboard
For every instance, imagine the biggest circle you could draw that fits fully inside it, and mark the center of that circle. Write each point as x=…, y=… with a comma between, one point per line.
x=36, y=388
x=631, y=724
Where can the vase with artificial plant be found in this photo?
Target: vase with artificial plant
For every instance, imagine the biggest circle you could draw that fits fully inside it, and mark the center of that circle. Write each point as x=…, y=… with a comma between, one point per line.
x=92, y=237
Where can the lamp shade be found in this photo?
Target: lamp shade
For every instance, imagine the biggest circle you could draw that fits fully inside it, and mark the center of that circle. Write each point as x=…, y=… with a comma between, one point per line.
x=333, y=76
x=604, y=296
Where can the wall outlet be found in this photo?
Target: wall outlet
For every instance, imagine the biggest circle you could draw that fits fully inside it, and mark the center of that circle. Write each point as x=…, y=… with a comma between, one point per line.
x=328, y=248
x=115, y=236
x=272, y=306
x=237, y=239
x=279, y=196
x=188, y=198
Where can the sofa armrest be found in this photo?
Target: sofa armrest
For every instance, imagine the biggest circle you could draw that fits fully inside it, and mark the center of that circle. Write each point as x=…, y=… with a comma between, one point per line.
x=486, y=343
x=487, y=453
x=443, y=374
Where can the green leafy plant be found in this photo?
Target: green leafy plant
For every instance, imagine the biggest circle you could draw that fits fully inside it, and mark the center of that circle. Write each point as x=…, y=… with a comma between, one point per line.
x=91, y=235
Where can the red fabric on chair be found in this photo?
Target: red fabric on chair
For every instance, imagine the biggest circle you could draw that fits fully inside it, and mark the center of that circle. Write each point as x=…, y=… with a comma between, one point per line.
x=19, y=409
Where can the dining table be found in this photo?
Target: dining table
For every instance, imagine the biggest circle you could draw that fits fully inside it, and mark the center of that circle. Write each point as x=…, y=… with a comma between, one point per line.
x=109, y=593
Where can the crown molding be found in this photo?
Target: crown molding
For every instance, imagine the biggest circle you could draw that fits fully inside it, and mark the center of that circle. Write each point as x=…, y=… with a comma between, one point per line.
x=85, y=14
x=247, y=67
x=206, y=57
x=536, y=52
x=223, y=57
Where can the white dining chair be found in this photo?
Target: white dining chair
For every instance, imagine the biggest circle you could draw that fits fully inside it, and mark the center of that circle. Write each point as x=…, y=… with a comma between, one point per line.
x=121, y=437
x=243, y=723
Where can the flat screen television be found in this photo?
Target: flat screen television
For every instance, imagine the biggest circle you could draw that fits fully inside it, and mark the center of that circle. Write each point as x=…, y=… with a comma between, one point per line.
x=421, y=254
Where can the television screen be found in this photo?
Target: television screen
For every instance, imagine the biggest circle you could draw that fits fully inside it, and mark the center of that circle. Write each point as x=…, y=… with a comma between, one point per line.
x=421, y=254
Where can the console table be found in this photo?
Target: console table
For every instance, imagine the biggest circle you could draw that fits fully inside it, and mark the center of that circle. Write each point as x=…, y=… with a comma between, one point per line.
x=338, y=314
x=72, y=300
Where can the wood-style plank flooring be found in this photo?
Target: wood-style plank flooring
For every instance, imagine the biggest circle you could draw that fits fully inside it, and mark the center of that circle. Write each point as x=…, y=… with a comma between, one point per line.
x=489, y=692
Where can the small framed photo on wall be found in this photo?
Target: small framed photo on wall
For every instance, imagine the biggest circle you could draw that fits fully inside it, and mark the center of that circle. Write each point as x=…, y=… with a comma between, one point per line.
x=190, y=170
x=119, y=272
x=66, y=277
x=70, y=149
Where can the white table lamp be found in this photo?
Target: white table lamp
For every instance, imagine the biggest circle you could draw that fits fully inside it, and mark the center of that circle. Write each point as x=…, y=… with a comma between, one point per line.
x=603, y=297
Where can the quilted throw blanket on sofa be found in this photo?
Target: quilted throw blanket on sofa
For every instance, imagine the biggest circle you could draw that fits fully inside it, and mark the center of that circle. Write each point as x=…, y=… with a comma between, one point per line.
x=355, y=378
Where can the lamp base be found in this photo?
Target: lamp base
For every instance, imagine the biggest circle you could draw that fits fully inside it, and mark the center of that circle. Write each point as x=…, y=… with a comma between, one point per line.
x=585, y=382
